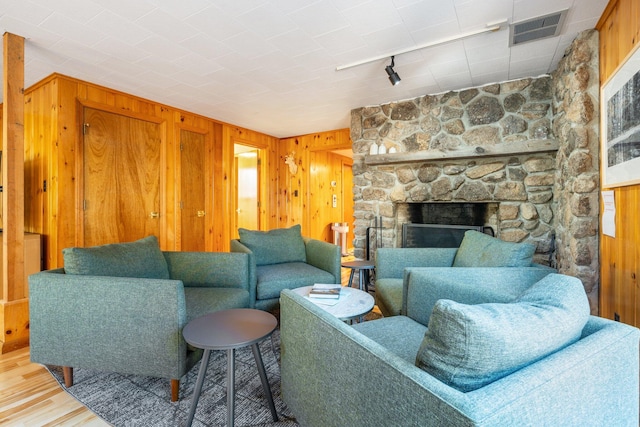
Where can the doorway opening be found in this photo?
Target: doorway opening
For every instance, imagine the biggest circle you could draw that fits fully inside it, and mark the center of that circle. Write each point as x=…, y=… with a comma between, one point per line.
x=247, y=161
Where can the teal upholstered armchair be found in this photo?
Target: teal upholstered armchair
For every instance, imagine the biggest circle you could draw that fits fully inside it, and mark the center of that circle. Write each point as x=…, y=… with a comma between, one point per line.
x=121, y=307
x=283, y=259
x=467, y=354
x=504, y=260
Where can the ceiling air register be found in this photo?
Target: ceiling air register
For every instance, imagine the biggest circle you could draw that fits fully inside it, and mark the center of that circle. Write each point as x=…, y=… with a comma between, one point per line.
x=538, y=28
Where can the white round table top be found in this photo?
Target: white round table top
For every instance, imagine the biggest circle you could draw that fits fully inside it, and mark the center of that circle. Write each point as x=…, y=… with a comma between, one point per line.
x=351, y=304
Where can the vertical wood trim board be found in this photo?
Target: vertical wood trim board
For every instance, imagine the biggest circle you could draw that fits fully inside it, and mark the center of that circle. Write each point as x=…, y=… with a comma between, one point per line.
x=15, y=313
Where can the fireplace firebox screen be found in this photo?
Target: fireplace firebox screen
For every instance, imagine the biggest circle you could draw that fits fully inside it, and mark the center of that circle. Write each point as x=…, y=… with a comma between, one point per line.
x=436, y=235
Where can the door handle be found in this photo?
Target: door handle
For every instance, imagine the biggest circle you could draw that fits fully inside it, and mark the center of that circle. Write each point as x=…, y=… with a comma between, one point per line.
x=154, y=215
x=200, y=214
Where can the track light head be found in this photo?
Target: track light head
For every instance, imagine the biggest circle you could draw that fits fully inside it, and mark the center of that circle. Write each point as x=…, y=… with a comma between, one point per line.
x=394, y=78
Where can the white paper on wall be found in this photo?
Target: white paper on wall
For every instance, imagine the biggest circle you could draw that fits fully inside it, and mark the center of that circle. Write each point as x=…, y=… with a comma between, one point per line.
x=609, y=214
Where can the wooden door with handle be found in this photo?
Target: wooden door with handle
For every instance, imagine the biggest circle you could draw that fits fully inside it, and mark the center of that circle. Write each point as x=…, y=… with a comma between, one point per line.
x=121, y=177
x=193, y=191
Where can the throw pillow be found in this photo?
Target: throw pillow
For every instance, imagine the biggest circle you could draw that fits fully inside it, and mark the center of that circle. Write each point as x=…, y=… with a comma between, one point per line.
x=470, y=346
x=142, y=259
x=481, y=250
x=275, y=246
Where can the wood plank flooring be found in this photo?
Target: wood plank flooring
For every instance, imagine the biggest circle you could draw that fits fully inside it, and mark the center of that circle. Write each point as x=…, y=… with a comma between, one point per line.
x=30, y=397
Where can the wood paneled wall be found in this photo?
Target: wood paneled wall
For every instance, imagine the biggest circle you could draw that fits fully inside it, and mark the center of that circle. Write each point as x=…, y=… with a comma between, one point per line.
x=619, y=29
x=53, y=119
x=53, y=167
x=306, y=198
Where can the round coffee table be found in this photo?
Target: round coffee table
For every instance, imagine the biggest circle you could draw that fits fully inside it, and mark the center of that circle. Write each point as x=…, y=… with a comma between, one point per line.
x=230, y=330
x=353, y=303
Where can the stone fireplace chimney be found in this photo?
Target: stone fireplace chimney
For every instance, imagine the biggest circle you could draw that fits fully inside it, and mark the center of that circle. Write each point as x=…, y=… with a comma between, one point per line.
x=529, y=147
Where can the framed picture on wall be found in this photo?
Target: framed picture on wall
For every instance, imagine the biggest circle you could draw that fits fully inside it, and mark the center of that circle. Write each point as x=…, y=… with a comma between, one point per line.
x=620, y=124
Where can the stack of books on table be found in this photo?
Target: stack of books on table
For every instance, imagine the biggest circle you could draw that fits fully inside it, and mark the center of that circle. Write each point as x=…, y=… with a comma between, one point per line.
x=325, y=291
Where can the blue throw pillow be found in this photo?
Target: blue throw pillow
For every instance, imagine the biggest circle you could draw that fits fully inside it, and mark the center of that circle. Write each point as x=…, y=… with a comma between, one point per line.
x=470, y=346
x=141, y=259
x=481, y=250
x=275, y=246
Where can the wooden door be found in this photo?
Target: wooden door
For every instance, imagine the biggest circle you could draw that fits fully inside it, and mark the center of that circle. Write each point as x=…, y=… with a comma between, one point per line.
x=193, y=188
x=325, y=190
x=121, y=176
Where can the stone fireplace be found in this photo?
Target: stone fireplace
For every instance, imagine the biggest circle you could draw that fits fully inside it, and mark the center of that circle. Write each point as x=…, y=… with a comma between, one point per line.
x=520, y=190
x=441, y=224
x=527, y=148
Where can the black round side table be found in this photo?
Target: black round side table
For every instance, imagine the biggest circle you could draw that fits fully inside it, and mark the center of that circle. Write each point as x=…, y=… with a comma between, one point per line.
x=362, y=267
x=230, y=330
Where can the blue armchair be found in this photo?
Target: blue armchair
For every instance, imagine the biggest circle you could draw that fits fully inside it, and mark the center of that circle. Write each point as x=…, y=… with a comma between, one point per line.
x=535, y=359
x=477, y=250
x=284, y=259
x=122, y=307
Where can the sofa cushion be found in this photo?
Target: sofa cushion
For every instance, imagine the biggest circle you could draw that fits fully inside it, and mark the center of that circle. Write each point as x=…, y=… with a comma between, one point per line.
x=272, y=279
x=470, y=346
x=400, y=335
x=275, y=246
x=141, y=259
x=481, y=250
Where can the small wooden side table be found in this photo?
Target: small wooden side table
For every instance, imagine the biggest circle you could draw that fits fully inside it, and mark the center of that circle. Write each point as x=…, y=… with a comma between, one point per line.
x=230, y=330
x=362, y=267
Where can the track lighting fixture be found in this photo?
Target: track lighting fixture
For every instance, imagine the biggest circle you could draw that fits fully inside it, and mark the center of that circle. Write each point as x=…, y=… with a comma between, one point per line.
x=489, y=28
x=394, y=78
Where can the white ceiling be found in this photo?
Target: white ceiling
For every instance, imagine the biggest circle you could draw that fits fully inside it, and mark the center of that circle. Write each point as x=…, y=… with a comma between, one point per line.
x=270, y=65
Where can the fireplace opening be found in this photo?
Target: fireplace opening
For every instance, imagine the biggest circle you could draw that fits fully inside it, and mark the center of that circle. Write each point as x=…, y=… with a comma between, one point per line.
x=442, y=225
x=437, y=235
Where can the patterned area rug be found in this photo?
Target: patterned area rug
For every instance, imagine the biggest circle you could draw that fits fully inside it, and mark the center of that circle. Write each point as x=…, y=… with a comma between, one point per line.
x=130, y=400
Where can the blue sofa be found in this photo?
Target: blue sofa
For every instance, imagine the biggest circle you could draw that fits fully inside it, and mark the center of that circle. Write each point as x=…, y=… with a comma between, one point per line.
x=435, y=367
x=283, y=259
x=122, y=307
x=477, y=250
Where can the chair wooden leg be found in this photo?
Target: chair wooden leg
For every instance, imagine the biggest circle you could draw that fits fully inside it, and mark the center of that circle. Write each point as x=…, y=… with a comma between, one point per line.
x=67, y=373
x=175, y=389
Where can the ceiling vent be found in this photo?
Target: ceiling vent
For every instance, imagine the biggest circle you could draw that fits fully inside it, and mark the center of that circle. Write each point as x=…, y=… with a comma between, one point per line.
x=538, y=28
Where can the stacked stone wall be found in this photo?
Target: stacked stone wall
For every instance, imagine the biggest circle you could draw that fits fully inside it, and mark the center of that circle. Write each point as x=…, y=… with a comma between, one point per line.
x=576, y=87
x=503, y=113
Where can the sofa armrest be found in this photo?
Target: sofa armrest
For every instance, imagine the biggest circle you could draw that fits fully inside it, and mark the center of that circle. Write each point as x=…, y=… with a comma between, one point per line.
x=236, y=246
x=391, y=262
x=325, y=256
x=323, y=360
x=554, y=390
x=422, y=287
x=117, y=324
